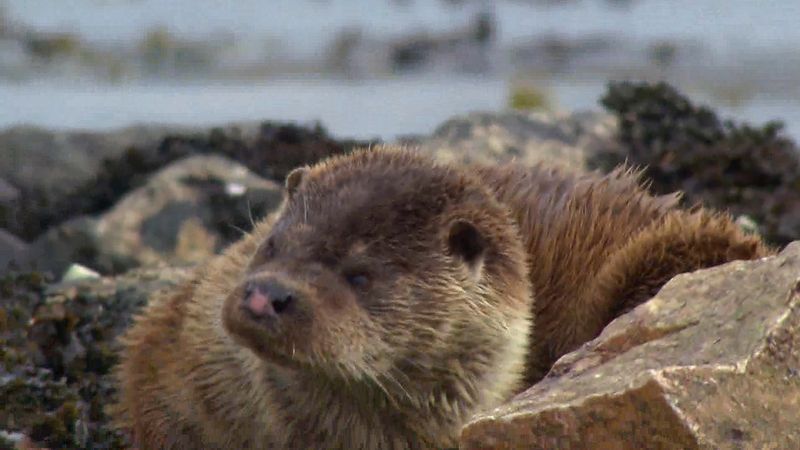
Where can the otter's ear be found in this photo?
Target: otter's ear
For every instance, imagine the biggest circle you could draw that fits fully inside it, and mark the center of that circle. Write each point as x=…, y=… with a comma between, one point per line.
x=294, y=179
x=467, y=242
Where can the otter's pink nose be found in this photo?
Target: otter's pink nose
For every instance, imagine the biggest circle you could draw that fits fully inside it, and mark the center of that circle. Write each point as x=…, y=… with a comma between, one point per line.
x=258, y=303
x=267, y=299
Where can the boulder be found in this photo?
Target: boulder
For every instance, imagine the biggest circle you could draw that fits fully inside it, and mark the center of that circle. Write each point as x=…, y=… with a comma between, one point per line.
x=185, y=213
x=713, y=361
x=12, y=251
x=566, y=140
x=58, y=161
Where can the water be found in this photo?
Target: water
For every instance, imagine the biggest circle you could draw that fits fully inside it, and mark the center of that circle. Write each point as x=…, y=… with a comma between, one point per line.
x=733, y=33
x=385, y=109
x=723, y=25
x=381, y=108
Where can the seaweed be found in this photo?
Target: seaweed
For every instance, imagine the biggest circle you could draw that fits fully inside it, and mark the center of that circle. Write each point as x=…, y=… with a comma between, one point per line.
x=58, y=348
x=748, y=170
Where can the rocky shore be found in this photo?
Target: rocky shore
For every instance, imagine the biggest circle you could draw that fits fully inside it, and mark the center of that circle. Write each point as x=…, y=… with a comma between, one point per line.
x=92, y=223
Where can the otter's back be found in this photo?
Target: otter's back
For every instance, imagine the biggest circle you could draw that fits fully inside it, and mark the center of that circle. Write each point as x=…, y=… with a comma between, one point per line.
x=571, y=224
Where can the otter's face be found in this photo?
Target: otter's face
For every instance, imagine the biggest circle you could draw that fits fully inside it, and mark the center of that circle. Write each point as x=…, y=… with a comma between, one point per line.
x=374, y=265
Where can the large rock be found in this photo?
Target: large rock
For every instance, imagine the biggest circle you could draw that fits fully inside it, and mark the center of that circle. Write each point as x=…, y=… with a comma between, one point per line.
x=58, y=161
x=713, y=361
x=526, y=138
x=185, y=213
x=12, y=251
x=59, y=176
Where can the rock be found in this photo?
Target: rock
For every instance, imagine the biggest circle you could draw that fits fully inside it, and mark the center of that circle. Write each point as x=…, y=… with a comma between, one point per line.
x=78, y=272
x=713, y=361
x=57, y=161
x=45, y=167
x=464, y=50
x=102, y=177
x=59, y=174
x=59, y=345
x=12, y=250
x=8, y=193
x=185, y=213
x=74, y=241
x=527, y=138
x=11, y=247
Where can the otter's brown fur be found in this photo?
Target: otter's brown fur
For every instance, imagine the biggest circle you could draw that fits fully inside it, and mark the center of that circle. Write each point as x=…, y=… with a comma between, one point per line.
x=600, y=245
x=453, y=259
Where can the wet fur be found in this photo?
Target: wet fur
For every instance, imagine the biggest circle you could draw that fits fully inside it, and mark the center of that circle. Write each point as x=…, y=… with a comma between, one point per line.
x=585, y=247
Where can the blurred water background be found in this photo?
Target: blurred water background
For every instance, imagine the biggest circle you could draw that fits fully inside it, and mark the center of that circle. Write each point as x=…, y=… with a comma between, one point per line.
x=383, y=68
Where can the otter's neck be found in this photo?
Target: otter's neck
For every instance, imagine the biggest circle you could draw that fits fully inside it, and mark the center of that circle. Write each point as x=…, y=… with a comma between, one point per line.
x=324, y=410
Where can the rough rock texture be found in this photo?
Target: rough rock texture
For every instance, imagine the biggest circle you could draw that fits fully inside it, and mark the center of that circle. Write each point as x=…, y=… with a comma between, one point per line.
x=57, y=344
x=185, y=213
x=528, y=138
x=713, y=361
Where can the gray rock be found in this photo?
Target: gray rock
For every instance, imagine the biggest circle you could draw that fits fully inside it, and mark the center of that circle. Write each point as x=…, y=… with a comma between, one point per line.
x=77, y=272
x=526, y=138
x=713, y=361
x=74, y=241
x=186, y=212
x=58, y=161
x=12, y=250
x=8, y=193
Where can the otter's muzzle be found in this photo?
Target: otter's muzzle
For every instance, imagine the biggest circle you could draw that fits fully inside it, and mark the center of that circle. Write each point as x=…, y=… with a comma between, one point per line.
x=268, y=299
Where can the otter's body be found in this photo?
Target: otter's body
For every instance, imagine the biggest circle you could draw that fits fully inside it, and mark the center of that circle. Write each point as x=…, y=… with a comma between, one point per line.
x=600, y=245
x=391, y=298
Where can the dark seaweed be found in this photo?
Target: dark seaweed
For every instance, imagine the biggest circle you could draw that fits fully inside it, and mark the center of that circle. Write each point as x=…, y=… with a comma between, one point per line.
x=744, y=169
x=57, y=347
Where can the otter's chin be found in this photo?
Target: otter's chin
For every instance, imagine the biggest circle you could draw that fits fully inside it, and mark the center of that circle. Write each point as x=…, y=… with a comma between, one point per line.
x=258, y=335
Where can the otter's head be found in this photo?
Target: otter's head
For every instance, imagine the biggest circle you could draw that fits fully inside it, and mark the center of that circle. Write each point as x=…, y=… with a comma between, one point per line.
x=385, y=266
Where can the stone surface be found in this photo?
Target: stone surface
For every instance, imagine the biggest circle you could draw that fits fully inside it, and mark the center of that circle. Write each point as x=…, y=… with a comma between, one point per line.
x=58, y=161
x=12, y=250
x=527, y=138
x=8, y=193
x=185, y=213
x=61, y=176
x=713, y=361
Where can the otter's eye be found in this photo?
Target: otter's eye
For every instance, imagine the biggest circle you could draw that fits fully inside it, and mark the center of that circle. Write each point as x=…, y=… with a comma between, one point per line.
x=358, y=280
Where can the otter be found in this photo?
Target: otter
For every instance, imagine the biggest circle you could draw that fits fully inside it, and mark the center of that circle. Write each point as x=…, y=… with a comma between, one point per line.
x=391, y=297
